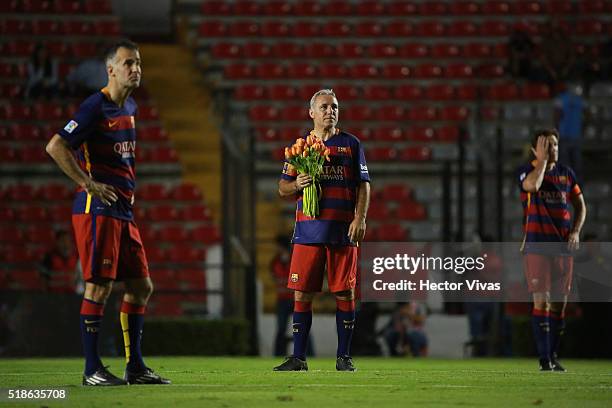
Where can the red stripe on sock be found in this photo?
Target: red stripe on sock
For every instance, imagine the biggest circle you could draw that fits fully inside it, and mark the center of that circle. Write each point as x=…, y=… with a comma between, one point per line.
x=131, y=308
x=542, y=313
x=89, y=307
x=345, y=305
x=302, y=306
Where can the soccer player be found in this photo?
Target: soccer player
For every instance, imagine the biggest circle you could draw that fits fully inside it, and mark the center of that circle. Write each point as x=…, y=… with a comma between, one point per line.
x=103, y=136
x=329, y=241
x=547, y=188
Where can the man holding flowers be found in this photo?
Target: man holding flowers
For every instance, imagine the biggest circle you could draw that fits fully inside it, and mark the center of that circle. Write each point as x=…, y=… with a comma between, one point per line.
x=327, y=173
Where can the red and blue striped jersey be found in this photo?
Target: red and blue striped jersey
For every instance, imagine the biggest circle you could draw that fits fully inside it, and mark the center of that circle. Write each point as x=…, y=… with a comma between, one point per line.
x=103, y=136
x=339, y=181
x=546, y=212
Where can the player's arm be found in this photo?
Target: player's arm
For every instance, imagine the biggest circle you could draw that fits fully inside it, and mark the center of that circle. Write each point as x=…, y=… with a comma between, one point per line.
x=579, y=217
x=533, y=181
x=60, y=151
x=357, y=229
x=287, y=188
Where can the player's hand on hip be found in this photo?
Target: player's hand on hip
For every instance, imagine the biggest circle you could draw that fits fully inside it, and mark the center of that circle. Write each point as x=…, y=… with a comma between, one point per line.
x=541, y=150
x=302, y=181
x=573, y=242
x=357, y=230
x=106, y=193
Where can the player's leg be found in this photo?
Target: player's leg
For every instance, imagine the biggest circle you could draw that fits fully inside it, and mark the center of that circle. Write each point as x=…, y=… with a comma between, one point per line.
x=134, y=270
x=538, y=274
x=342, y=278
x=561, y=286
x=97, y=240
x=305, y=278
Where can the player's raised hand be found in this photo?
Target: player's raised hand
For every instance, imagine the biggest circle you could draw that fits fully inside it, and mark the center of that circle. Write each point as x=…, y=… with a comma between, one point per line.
x=541, y=150
x=357, y=230
x=302, y=181
x=104, y=192
x=573, y=242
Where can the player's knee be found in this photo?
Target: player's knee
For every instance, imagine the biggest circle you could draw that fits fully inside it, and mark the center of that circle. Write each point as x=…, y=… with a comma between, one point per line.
x=98, y=291
x=346, y=295
x=303, y=296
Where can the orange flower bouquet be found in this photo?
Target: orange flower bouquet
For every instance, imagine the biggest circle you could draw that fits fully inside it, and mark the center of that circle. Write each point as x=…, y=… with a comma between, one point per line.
x=307, y=157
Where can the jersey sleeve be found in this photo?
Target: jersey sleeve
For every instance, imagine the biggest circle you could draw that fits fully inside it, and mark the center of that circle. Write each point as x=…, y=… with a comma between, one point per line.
x=522, y=173
x=289, y=172
x=362, y=169
x=80, y=128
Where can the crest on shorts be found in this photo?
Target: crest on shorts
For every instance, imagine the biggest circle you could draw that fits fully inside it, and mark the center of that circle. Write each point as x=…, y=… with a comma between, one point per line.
x=107, y=263
x=294, y=277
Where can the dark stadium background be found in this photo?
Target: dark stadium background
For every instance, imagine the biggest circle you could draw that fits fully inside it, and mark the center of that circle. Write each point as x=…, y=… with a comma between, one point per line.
x=427, y=86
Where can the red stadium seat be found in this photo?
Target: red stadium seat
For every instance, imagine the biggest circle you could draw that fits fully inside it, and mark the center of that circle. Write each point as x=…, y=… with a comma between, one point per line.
x=391, y=232
x=503, y=92
x=421, y=134
x=497, y=7
x=423, y=113
x=277, y=8
x=257, y=50
x=275, y=29
x=370, y=8
x=358, y=113
x=292, y=133
x=84, y=50
x=597, y=7
x=152, y=192
x=391, y=113
x=48, y=111
x=363, y=133
x=444, y=50
x=152, y=133
x=301, y=70
x=399, y=28
x=186, y=192
x=442, y=92
x=263, y=113
x=33, y=154
x=266, y=134
x=333, y=70
x=212, y=29
x=463, y=29
x=172, y=233
x=47, y=27
x=32, y=213
x=431, y=29
x=39, y=234
x=215, y=8
x=535, y=91
x=16, y=27
x=67, y=6
x=247, y=8
x=383, y=51
x=155, y=254
x=76, y=27
x=402, y=8
x=350, y=50
x=408, y=92
x=364, y=71
x=21, y=192
x=7, y=214
x=388, y=133
x=466, y=92
x=397, y=71
x=226, y=50
x=270, y=70
x=10, y=6
x=244, y=29
x=490, y=112
x=336, y=28
x=25, y=131
x=454, y=113
x=186, y=254
x=306, y=29
x=58, y=49
x=428, y=71
x=411, y=211
x=494, y=29
x=458, y=8
x=377, y=92
x=162, y=154
x=307, y=8
x=19, y=48
x=415, y=153
x=192, y=279
x=249, y=92
x=590, y=27
x=197, y=212
x=162, y=212
x=206, y=234
x=344, y=92
x=282, y=92
x=288, y=50
x=433, y=8
x=307, y=90
x=381, y=153
x=294, y=113
x=60, y=213
x=491, y=71
x=368, y=29
x=107, y=28
x=562, y=7
x=98, y=7
x=319, y=50
x=338, y=8
x=54, y=192
x=10, y=234
x=529, y=7
x=477, y=50
x=378, y=211
x=148, y=113
x=448, y=133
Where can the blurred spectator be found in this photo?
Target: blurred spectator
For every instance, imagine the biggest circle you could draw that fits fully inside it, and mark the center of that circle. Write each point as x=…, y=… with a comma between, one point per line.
x=557, y=55
x=284, y=296
x=405, y=331
x=521, y=54
x=89, y=76
x=569, y=111
x=60, y=266
x=42, y=74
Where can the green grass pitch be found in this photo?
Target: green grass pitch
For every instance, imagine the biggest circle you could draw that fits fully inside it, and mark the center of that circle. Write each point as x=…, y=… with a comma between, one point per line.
x=379, y=382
